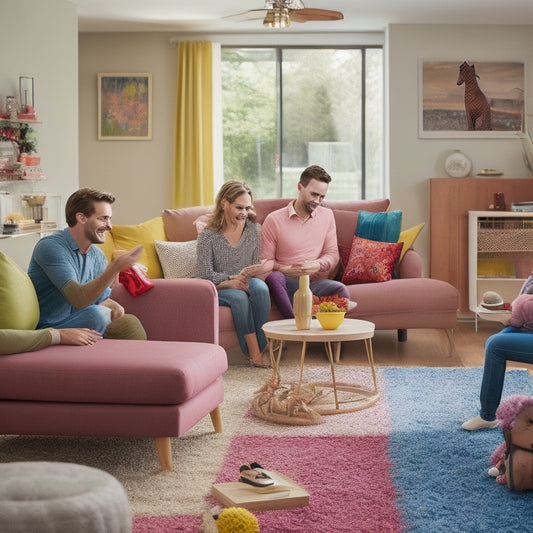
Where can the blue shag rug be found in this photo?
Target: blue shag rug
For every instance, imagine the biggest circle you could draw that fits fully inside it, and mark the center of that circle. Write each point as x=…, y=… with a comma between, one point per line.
x=440, y=470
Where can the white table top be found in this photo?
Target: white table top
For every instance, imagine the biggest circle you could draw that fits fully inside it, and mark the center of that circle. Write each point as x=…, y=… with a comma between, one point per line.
x=350, y=330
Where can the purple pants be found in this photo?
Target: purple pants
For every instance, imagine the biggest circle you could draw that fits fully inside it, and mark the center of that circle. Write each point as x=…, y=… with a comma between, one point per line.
x=282, y=290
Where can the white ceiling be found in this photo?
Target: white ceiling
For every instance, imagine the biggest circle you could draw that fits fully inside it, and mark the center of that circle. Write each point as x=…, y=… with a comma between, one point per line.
x=205, y=16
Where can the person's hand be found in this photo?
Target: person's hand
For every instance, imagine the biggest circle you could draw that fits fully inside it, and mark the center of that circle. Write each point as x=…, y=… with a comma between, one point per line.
x=125, y=260
x=235, y=282
x=300, y=269
x=252, y=271
x=310, y=267
x=116, y=309
x=79, y=336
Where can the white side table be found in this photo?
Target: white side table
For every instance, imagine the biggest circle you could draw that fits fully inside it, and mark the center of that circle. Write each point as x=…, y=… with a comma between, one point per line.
x=349, y=330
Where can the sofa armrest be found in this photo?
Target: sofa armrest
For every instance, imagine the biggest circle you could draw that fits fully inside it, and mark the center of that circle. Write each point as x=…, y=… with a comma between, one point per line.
x=411, y=265
x=181, y=309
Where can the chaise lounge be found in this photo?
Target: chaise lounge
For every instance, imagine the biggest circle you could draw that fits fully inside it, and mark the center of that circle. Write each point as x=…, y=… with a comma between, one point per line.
x=158, y=388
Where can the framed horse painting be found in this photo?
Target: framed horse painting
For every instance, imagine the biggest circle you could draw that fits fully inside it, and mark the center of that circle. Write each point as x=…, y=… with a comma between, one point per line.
x=471, y=99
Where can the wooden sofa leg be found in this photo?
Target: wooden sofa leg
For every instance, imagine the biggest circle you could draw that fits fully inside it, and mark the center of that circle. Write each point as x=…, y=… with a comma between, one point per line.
x=164, y=452
x=402, y=335
x=451, y=339
x=216, y=419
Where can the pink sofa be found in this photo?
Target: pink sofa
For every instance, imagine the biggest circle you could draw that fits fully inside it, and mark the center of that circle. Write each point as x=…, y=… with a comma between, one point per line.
x=123, y=388
x=410, y=301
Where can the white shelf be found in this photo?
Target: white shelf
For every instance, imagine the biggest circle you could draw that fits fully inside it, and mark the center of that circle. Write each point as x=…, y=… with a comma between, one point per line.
x=500, y=257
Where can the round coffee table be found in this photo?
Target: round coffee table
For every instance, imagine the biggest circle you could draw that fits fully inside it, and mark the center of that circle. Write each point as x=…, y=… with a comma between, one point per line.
x=350, y=330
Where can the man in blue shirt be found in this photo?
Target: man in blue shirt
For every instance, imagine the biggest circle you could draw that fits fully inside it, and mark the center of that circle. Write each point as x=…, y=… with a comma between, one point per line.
x=72, y=277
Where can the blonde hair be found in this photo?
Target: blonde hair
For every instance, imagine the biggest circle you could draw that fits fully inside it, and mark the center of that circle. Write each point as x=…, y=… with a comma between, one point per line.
x=230, y=191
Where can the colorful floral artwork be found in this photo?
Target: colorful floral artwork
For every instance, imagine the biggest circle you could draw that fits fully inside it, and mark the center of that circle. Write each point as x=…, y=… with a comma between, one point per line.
x=124, y=106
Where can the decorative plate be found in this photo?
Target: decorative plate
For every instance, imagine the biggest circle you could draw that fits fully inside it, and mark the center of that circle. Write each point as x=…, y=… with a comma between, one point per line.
x=457, y=165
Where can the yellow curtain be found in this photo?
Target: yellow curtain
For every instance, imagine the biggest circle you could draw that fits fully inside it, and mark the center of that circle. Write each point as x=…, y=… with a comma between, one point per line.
x=193, y=156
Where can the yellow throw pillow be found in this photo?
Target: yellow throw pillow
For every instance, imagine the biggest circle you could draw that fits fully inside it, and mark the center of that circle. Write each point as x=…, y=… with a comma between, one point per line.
x=127, y=237
x=408, y=237
x=19, y=307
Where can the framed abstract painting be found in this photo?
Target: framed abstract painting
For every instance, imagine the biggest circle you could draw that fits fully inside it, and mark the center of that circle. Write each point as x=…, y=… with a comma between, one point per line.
x=471, y=99
x=124, y=107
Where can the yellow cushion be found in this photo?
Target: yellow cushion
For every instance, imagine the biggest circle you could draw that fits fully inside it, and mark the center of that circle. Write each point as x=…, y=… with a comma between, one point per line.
x=127, y=237
x=408, y=237
x=19, y=307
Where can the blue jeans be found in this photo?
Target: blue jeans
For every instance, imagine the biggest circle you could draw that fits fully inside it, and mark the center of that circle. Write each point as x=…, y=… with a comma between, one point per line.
x=96, y=317
x=510, y=344
x=250, y=310
x=283, y=288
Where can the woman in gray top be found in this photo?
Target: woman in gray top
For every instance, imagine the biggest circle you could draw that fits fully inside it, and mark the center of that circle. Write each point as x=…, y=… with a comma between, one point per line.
x=229, y=252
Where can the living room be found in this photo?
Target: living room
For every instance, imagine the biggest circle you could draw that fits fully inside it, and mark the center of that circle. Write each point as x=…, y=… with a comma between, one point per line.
x=41, y=39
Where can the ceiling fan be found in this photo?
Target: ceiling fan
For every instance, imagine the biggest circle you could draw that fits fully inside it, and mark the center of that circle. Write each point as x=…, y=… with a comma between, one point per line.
x=280, y=14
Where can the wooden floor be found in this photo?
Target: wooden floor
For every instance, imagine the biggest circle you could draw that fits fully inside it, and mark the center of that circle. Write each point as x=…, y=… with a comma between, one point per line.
x=424, y=347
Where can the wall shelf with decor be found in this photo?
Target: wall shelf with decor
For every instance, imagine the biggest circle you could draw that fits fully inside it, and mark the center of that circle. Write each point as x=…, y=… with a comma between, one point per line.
x=18, y=144
x=500, y=257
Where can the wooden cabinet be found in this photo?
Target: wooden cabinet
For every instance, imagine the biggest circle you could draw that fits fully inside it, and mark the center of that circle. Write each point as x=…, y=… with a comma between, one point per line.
x=500, y=254
x=450, y=201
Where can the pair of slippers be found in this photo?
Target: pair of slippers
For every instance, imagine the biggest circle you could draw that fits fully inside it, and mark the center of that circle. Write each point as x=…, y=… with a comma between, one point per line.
x=255, y=475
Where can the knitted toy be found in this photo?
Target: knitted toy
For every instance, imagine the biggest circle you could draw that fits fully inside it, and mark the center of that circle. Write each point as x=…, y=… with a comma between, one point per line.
x=230, y=520
x=513, y=459
x=522, y=312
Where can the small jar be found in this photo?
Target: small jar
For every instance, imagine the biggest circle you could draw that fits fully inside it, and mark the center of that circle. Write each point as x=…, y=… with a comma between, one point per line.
x=12, y=107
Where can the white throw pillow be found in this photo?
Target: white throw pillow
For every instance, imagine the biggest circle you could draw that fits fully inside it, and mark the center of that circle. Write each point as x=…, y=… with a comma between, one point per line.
x=178, y=259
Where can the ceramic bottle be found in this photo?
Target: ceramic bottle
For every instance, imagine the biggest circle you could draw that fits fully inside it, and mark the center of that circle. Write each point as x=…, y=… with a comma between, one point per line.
x=302, y=304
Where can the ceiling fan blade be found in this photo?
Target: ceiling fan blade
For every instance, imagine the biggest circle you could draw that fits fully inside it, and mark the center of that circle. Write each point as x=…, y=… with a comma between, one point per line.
x=308, y=14
x=252, y=14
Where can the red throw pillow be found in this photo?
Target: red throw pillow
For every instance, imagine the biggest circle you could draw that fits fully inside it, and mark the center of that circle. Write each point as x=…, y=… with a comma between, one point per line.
x=371, y=261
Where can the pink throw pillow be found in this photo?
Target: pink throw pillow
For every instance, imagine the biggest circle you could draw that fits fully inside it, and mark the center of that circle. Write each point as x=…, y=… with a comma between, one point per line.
x=371, y=261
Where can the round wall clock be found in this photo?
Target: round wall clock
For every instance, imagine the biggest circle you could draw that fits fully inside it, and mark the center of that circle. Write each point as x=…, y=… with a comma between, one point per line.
x=457, y=165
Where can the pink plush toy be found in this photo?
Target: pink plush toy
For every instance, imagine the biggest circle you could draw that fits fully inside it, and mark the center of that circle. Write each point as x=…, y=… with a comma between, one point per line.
x=515, y=418
x=522, y=312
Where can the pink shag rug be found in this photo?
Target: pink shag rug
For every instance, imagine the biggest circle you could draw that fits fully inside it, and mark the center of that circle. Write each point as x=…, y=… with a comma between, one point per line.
x=342, y=463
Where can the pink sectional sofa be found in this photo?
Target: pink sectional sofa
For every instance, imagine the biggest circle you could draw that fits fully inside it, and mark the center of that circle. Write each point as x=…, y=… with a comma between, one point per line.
x=122, y=388
x=408, y=302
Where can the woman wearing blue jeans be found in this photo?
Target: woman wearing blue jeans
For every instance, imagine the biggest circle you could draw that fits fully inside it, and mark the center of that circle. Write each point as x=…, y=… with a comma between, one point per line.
x=510, y=344
x=229, y=252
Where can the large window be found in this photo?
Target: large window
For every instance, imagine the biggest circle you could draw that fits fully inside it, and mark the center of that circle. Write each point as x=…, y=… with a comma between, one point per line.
x=287, y=108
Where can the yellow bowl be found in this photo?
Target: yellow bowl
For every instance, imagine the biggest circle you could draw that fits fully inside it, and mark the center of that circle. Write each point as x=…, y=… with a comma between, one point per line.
x=331, y=319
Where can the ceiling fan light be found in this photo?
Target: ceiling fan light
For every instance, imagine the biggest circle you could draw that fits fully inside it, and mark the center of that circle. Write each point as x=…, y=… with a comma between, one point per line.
x=277, y=18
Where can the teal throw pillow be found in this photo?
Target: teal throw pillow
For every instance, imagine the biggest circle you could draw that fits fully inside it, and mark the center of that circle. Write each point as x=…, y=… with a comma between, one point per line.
x=381, y=227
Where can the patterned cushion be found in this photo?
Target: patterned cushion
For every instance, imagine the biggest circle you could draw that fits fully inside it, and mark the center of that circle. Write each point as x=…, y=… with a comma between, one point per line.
x=178, y=259
x=371, y=261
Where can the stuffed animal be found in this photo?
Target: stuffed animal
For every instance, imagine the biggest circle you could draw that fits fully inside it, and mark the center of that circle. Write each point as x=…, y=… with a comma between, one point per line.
x=230, y=520
x=513, y=459
x=522, y=312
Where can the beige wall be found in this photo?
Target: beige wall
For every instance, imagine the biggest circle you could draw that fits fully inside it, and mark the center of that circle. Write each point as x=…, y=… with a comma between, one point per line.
x=412, y=160
x=139, y=173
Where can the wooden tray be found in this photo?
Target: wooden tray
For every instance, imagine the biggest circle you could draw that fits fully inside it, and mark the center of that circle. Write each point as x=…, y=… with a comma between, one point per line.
x=288, y=494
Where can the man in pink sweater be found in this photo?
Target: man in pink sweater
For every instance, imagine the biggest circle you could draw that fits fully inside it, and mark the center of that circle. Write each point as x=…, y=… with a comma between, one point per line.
x=302, y=239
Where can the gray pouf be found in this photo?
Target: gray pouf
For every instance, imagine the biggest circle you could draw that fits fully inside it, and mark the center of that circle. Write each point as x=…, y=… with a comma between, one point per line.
x=48, y=497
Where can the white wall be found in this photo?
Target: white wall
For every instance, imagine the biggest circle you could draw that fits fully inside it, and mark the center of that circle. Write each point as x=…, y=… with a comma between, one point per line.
x=40, y=39
x=414, y=161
